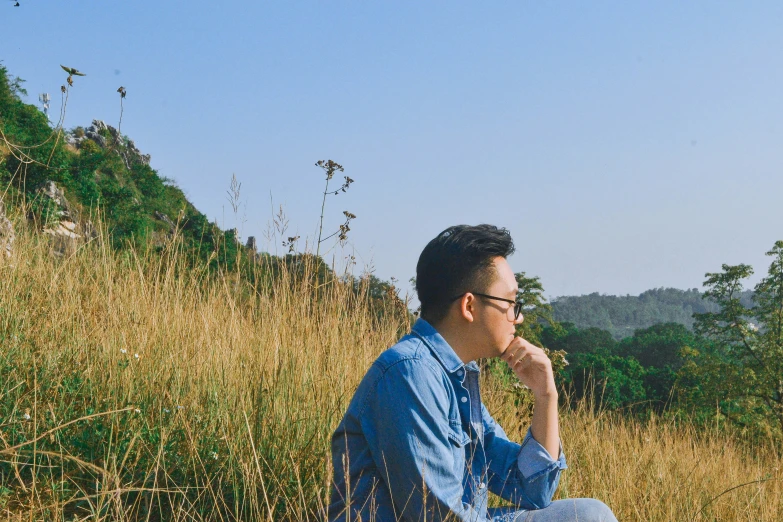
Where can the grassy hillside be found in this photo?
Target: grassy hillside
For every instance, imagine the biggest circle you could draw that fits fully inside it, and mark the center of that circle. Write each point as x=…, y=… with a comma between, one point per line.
x=100, y=172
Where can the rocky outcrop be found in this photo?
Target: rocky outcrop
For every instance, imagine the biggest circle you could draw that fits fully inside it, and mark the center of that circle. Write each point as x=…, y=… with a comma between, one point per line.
x=163, y=217
x=64, y=237
x=64, y=211
x=6, y=234
x=127, y=149
x=131, y=153
x=93, y=132
x=65, y=232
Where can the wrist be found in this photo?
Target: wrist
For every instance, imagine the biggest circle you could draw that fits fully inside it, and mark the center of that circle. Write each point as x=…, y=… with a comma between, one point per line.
x=548, y=394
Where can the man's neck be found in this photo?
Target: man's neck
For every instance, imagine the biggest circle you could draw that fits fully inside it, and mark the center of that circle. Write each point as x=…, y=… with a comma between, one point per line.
x=458, y=340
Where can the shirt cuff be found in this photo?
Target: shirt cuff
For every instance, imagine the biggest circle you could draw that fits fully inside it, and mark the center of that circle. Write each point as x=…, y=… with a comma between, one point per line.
x=535, y=460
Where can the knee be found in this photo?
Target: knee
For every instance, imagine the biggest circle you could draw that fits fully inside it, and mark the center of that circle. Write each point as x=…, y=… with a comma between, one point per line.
x=593, y=510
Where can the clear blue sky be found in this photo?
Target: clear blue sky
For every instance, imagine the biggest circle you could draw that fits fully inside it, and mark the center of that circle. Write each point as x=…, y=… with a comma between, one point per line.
x=625, y=145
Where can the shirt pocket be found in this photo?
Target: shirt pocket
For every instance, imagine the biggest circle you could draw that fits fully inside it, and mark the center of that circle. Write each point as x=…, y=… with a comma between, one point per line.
x=459, y=441
x=457, y=436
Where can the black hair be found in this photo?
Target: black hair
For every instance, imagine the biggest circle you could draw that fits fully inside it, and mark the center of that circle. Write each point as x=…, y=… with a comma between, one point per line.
x=458, y=260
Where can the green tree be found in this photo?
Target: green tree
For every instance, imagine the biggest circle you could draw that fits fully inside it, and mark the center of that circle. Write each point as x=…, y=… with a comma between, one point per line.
x=537, y=315
x=536, y=311
x=659, y=351
x=741, y=369
x=570, y=339
x=595, y=368
x=658, y=346
x=613, y=380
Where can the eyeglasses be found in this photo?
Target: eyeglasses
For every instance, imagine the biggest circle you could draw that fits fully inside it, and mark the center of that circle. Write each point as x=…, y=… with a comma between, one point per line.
x=517, y=304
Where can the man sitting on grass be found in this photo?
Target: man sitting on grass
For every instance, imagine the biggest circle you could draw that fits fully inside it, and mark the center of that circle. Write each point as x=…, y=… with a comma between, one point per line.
x=416, y=442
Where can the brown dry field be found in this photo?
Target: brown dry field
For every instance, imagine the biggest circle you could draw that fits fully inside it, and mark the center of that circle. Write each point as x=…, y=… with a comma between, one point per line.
x=238, y=390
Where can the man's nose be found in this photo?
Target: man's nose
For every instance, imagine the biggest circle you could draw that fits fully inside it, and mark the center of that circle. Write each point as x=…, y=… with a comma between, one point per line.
x=519, y=319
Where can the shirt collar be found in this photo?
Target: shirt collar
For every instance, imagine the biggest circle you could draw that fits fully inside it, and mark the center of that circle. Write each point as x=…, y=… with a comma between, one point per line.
x=439, y=347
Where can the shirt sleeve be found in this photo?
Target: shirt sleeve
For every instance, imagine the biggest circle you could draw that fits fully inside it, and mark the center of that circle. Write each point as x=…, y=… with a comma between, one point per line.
x=416, y=451
x=524, y=474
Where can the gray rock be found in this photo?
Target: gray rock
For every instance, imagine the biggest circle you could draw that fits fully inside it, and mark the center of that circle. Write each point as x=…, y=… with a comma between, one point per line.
x=94, y=136
x=132, y=154
x=74, y=141
x=50, y=190
x=64, y=239
x=98, y=126
x=93, y=132
x=53, y=192
x=129, y=153
x=251, y=243
x=163, y=217
x=63, y=233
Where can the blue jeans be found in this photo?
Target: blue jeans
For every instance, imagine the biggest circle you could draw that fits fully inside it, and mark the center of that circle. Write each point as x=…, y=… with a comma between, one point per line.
x=567, y=510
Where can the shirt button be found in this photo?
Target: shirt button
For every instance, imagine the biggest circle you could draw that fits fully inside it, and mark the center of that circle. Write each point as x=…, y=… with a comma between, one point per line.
x=482, y=485
x=464, y=399
x=459, y=373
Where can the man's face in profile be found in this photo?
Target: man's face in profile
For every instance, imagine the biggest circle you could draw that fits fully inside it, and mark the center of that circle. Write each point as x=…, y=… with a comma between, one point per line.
x=494, y=319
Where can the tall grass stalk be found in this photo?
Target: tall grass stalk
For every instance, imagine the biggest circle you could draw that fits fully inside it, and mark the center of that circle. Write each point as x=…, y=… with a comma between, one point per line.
x=226, y=413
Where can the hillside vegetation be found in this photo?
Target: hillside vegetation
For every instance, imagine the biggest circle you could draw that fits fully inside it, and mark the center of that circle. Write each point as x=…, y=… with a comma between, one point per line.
x=104, y=172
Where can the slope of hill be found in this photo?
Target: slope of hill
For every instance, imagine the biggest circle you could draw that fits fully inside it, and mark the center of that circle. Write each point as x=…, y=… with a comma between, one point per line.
x=58, y=176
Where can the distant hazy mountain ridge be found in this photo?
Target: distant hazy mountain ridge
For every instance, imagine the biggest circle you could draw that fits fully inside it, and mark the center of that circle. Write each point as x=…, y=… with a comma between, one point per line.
x=621, y=315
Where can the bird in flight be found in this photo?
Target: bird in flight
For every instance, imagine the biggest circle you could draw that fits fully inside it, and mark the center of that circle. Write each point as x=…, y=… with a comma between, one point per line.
x=16, y=4
x=71, y=71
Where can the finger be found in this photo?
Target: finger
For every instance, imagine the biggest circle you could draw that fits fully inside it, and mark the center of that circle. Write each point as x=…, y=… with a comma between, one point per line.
x=511, y=350
x=522, y=354
x=532, y=349
x=520, y=349
x=526, y=343
x=515, y=355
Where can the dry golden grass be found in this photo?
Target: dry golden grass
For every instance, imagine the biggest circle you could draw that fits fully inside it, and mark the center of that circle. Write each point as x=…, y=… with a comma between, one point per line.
x=238, y=391
x=664, y=470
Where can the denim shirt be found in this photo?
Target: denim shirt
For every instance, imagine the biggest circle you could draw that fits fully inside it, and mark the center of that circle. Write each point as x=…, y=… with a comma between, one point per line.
x=416, y=443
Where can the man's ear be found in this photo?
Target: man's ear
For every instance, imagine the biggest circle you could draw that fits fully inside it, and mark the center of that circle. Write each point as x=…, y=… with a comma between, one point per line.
x=467, y=307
